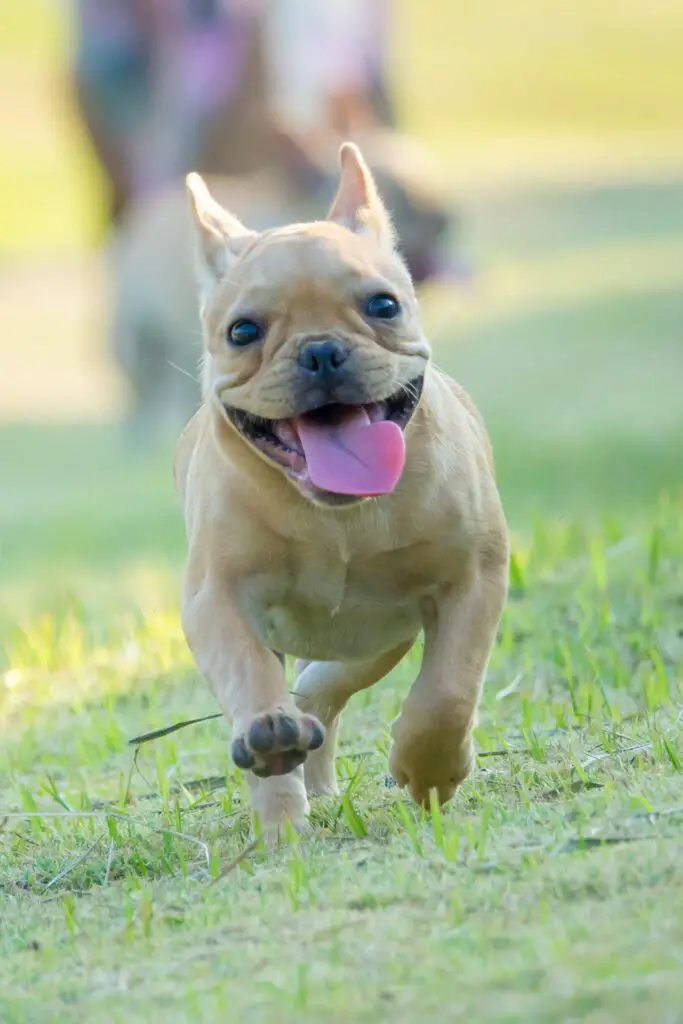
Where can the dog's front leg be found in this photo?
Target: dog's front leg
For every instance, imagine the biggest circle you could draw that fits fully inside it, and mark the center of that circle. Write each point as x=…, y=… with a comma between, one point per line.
x=433, y=734
x=271, y=737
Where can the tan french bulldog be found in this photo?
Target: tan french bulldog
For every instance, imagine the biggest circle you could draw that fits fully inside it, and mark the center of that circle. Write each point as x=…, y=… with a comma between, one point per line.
x=339, y=498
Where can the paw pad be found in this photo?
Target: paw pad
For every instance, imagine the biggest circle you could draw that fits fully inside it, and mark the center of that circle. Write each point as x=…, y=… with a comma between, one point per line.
x=277, y=743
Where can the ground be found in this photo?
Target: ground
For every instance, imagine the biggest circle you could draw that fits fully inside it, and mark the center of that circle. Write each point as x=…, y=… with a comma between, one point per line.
x=551, y=888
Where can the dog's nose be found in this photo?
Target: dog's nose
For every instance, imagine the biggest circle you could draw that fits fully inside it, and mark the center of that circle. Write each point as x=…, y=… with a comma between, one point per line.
x=322, y=358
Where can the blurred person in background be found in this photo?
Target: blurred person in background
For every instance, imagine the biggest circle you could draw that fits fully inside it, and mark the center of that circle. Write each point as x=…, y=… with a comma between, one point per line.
x=166, y=86
x=257, y=95
x=328, y=63
x=112, y=64
x=152, y=76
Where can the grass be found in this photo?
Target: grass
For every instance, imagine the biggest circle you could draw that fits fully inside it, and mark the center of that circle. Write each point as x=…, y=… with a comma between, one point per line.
x=550, y=889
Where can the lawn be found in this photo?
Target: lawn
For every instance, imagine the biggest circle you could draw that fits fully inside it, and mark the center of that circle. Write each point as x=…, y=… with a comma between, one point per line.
x=551, y=888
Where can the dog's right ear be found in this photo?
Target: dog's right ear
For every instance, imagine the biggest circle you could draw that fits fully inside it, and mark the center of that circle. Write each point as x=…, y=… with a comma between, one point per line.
x=219, y=235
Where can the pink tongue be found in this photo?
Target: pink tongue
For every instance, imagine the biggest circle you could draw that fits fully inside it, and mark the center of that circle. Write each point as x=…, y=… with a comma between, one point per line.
x=353, y=456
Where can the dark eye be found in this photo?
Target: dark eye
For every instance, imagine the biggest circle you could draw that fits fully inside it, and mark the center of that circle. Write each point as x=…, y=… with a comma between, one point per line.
x=382, y=307
x=244, y=332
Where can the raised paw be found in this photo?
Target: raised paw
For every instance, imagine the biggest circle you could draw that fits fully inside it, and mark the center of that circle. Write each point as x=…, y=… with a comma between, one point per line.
x=277, y=742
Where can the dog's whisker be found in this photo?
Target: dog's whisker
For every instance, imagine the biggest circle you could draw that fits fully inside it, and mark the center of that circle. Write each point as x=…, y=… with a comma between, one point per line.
x=408, y=389
x=181, y=370
x=228, y=280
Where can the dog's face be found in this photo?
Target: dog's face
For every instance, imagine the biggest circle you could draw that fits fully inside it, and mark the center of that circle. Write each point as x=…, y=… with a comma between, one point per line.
x=314, y=350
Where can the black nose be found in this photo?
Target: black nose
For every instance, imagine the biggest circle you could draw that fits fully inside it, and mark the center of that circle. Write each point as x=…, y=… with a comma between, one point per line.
x=322, y=358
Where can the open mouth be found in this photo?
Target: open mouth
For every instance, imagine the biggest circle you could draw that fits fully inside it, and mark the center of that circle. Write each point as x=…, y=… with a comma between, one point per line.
x=338, y=452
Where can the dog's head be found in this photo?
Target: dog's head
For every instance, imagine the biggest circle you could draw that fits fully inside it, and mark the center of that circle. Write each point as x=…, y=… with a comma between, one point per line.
x=314, y=351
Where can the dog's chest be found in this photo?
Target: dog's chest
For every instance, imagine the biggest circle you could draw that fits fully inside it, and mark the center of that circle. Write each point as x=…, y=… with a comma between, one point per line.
x=326, y=607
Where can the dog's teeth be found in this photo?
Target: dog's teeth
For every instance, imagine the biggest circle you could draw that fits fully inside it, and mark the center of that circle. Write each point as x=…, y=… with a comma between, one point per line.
x=377, y=411
x=287, y=436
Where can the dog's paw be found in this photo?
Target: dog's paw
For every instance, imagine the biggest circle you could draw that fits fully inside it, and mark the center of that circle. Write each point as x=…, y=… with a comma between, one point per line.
x=277, y=742
x=425, y=763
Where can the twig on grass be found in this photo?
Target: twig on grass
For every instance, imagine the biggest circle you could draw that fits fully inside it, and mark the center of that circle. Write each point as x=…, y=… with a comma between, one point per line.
x=595, y=842
x=614, y=753
x=73, y=864
x=209, y=784
x=236, y=861
x=503, y=753
x=156, y=734
x=136, y=767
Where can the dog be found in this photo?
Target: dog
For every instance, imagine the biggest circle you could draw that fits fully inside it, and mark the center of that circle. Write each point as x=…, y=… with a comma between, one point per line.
x=154, y=304
x=339, y=498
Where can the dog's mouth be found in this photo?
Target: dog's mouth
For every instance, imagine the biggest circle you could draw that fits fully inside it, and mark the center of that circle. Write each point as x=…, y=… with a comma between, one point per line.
x=339, y=453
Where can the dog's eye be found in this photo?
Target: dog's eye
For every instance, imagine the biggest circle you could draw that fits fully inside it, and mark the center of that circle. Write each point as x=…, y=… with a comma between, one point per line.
x=244, y=332
x=382, y=307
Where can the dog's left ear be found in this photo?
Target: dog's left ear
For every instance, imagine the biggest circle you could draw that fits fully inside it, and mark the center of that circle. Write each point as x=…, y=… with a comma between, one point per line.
x=220, y=236
x=357, y=205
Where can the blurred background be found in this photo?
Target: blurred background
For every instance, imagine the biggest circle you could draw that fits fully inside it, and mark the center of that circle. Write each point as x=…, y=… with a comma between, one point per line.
x=553, y=132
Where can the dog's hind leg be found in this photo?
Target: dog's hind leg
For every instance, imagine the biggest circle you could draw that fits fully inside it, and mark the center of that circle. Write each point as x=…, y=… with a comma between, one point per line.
x=322, y=689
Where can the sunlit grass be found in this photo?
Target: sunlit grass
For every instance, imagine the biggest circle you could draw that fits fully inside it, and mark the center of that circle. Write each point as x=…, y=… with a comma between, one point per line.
x=567, y=834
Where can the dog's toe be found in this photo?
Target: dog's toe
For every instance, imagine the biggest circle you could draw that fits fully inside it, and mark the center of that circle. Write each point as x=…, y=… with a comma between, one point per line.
x=277, y=742
x=261, y=735
x=287, y=731
x=240, y=755
x=317, y=735
x=280, y=764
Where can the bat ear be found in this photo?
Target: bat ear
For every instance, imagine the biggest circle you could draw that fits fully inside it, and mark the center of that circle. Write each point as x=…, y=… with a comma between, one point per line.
x=219, y=236
x=357, y=205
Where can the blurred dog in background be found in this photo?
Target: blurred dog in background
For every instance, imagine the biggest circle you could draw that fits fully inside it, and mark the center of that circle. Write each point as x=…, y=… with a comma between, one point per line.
x=257, y=96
